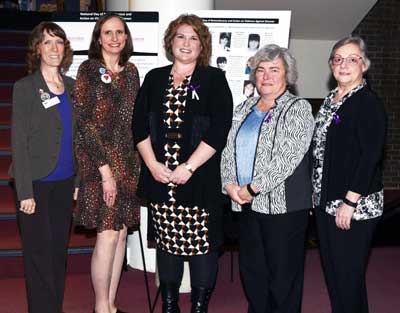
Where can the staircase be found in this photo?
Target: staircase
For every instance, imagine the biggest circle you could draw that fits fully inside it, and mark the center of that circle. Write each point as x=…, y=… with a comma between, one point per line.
x=12, y=67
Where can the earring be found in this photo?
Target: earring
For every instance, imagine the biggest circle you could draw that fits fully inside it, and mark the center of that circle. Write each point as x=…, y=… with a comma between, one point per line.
x=99, y=42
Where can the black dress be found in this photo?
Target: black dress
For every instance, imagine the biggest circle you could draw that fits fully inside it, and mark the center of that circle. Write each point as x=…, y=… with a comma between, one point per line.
x=186, y=218
x=180, y=230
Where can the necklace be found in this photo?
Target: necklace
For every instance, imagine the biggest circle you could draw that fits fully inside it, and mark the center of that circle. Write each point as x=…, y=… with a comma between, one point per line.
x=53, y=82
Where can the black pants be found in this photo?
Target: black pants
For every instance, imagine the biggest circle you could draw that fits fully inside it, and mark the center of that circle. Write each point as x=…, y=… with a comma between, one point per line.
x=344, y=255
x=44, y=239
x=203, y=268
x=271, y=260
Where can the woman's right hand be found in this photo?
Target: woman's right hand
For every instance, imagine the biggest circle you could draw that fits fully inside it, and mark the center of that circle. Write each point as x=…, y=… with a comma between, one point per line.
x=109, y=191
x=27, y=206
x=160, y=172
x=233, y=192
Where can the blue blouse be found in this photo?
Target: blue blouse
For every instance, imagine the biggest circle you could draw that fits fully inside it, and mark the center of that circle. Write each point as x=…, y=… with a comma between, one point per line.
x=246, y=145
x=65, y=164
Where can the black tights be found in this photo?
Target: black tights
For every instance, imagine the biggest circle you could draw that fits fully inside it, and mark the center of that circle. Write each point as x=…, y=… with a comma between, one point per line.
x=203, y=268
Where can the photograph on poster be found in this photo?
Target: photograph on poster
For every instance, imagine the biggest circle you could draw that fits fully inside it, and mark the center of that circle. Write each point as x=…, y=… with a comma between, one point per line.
x=222, y=63
x=253, y=43
x=239, y=37
x=225, y=41
x=248, y=88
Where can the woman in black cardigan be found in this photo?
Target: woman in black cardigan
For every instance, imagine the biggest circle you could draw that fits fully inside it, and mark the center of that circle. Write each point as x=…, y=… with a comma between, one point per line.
x=182, y=117
x=347, y=175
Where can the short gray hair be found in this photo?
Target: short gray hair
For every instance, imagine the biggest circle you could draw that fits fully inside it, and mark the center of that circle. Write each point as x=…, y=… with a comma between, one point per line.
x=270, y=53
x=359, y=42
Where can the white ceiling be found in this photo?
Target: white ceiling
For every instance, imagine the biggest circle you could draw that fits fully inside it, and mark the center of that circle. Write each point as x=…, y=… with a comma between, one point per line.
x=311, y=19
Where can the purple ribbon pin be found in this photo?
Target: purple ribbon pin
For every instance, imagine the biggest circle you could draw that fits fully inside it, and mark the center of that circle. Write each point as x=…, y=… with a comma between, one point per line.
x=193, y=89
x=268, y=118
x=336, y=118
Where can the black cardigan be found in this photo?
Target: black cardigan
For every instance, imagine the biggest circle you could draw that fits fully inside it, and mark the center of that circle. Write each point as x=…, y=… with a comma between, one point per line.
x=207, y=119
x=354, y=148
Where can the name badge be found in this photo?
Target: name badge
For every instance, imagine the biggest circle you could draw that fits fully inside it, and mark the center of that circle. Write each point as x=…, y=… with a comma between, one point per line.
x=50, y=102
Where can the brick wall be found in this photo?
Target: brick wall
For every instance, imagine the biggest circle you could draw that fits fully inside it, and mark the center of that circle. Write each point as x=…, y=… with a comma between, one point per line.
x=380, y=28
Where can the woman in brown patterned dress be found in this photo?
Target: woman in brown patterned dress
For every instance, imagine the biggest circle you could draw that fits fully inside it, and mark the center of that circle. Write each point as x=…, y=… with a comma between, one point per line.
x=105, y=92
x=182, y=118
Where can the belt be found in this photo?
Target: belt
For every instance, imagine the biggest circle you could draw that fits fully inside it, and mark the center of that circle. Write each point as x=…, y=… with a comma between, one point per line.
x=173, y=135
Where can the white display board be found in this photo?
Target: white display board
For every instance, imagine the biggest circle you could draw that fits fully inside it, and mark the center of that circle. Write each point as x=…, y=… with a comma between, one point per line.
x=237, y=36
x=143, y=26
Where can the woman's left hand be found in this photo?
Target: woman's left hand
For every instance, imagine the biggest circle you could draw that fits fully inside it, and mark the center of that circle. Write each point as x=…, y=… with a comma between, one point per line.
x=343, y=216
x=244, y=194
x=180, y=175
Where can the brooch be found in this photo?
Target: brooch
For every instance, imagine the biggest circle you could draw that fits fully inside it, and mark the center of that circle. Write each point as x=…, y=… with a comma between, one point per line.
x=268, y=117
x=104, y=75
x=44, y=95
x=193, y=89
x=336, y=118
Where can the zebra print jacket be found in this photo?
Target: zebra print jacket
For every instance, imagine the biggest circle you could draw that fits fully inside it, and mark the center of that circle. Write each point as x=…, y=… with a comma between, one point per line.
x=282, y=167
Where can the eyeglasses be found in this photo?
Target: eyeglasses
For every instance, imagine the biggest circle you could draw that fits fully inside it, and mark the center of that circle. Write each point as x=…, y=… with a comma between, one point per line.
x=351, y=60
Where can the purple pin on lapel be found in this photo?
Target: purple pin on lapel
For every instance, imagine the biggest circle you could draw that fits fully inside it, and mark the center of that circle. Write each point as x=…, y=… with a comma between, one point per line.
x=336, y=118
x=194, y=89
x=268, y=118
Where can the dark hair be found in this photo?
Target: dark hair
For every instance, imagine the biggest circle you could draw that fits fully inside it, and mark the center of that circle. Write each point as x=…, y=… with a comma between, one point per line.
x=201, y=30
x=224, y=35
x=221, y=60
x=95, y=46
x=36, y=37
x=254, y=37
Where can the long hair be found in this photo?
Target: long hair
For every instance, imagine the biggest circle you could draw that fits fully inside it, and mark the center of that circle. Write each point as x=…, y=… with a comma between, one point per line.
x=95, y=47
x=36, y=37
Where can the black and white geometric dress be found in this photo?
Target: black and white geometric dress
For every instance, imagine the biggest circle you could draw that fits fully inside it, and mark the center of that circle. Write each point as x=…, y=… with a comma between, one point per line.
x=179, y=230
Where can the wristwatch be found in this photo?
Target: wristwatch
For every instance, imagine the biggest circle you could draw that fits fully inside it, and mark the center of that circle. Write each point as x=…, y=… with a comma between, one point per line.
x=350, y=203
x=189, y=167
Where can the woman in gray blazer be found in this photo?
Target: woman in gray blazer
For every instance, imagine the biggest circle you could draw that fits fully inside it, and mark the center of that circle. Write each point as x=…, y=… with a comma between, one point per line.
x=43, y=165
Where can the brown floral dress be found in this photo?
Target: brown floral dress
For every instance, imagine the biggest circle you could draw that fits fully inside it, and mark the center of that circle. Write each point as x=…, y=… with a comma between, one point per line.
x=103, y=108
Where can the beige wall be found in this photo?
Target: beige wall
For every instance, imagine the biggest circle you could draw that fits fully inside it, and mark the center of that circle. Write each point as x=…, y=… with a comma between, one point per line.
x=312, y=64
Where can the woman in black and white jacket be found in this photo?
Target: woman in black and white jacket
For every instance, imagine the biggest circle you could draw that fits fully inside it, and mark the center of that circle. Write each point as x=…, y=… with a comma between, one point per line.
x=265, y=170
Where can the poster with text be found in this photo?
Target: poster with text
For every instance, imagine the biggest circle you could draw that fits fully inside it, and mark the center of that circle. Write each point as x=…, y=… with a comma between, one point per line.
x=237, y=36
x=143, y=27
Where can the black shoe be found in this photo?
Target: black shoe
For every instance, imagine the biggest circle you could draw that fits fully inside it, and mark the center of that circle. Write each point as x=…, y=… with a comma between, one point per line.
x=170, y=296
x=200, y=297
x=119, y=311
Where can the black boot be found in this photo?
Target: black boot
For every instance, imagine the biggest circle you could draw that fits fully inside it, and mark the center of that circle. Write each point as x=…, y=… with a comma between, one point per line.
x=200, y=297
x=170, y=296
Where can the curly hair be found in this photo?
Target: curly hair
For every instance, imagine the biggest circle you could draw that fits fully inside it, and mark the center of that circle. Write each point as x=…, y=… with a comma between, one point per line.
x=95, y=46
x=36, y=37
x=201, y=30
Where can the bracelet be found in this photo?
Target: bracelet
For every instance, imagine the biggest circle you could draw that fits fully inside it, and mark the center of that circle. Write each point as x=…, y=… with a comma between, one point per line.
x=251, y=191
x=189, y=167
x=350, y=203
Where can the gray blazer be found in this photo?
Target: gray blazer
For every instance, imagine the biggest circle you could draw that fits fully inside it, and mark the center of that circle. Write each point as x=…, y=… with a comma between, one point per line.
x=36, y=132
